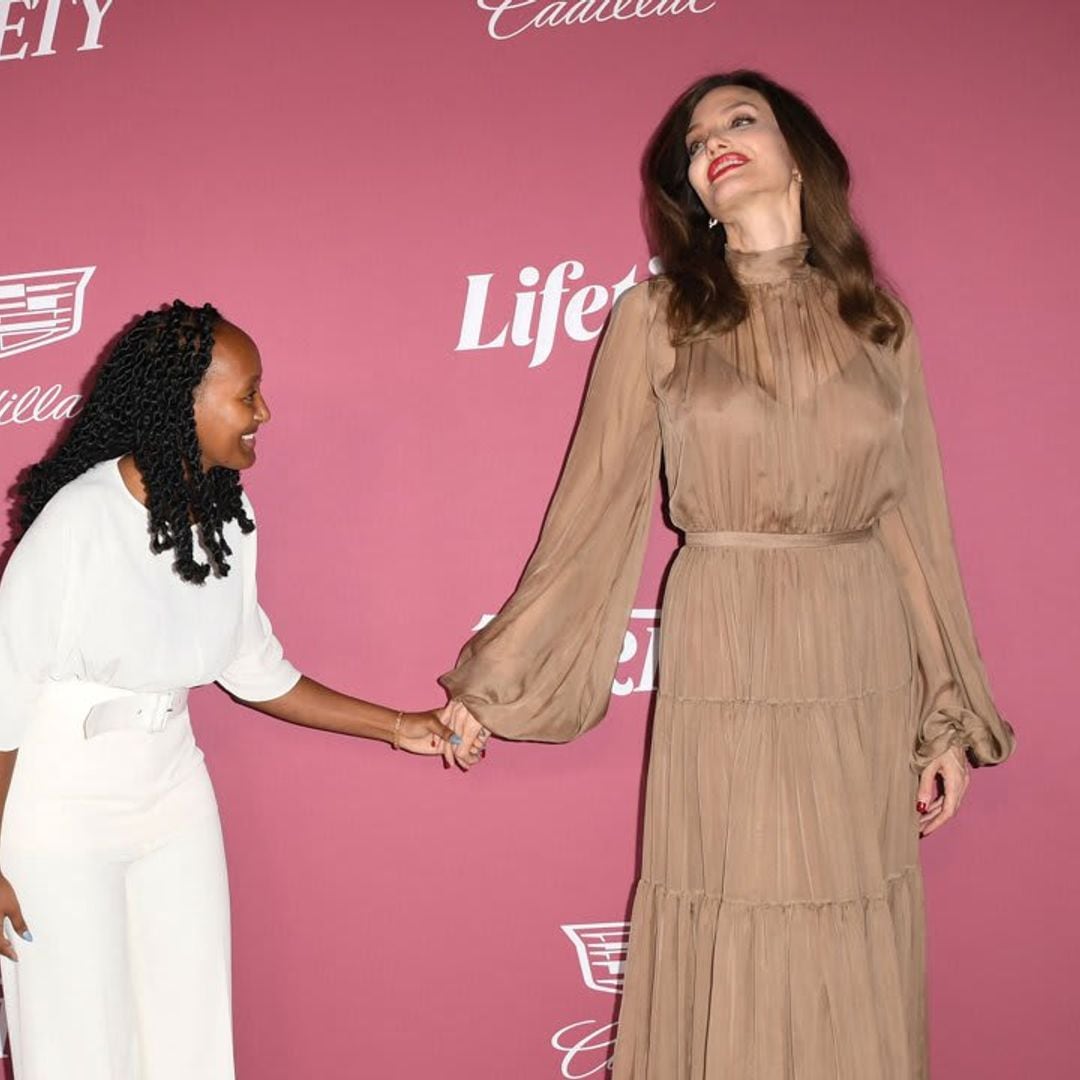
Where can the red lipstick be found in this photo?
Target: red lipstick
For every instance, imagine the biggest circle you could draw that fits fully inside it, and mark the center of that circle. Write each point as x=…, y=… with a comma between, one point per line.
x=724, y=164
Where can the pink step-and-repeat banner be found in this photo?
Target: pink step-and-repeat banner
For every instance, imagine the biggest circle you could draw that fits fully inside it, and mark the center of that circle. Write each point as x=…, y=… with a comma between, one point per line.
x=422, y=210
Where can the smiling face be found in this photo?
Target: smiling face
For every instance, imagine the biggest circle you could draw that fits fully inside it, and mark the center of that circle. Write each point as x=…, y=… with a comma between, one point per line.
x=229, y=406
x=738, y=156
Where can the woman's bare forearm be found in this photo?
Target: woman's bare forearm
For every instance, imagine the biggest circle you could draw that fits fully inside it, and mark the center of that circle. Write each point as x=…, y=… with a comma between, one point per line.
x=313, y=705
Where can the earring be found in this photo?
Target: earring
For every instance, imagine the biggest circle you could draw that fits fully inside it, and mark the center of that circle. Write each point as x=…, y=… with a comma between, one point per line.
x=796, y=176
x=713, y=223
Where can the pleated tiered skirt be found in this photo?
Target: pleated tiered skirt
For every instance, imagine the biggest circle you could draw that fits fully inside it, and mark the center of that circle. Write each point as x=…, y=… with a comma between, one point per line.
x=777, y=928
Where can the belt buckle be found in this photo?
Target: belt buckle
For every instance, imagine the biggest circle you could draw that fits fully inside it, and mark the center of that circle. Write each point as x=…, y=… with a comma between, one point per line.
x=147, y=712
x=148, y=717
x=164, y=707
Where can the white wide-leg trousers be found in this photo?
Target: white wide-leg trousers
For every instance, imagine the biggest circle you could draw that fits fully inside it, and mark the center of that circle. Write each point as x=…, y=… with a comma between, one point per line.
x=113, y=846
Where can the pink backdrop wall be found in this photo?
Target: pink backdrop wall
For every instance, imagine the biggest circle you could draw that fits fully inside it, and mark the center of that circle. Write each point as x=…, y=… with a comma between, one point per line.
x=331, y=174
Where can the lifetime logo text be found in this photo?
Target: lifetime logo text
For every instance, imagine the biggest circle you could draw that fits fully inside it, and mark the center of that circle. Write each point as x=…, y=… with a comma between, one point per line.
x=561, y=308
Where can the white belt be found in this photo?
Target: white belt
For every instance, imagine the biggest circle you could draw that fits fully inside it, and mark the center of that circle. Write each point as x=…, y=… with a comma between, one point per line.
x=129, y=711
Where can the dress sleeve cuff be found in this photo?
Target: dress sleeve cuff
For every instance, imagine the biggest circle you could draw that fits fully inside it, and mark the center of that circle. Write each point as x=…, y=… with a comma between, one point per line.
x=981, y=740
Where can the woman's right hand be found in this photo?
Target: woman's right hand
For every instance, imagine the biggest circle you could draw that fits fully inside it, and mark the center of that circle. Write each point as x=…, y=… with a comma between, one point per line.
x=9, y=909
x=424, y=733
x=474, y=736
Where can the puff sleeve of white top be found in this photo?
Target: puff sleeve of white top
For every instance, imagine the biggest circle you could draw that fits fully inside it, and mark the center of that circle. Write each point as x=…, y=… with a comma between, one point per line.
x=259, y=671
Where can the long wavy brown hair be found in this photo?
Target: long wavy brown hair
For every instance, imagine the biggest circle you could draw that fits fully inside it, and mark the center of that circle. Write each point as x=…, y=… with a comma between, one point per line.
x=702, y=295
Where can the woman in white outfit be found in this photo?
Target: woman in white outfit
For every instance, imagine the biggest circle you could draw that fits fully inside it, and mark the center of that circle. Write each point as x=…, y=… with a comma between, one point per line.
x=110, y=844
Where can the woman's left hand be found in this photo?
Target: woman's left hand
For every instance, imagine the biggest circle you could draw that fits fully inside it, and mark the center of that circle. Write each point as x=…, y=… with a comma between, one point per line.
x=424, y=732
x=934, y=809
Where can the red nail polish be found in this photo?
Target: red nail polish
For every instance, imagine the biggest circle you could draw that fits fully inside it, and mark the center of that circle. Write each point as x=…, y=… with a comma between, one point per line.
x=921, y=807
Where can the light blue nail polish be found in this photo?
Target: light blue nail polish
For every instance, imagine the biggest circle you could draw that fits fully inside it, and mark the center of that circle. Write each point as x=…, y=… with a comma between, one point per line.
x=26, y=936
x=455, y=740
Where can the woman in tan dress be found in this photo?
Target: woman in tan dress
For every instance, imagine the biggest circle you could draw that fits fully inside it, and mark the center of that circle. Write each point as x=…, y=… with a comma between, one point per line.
x=821, y=690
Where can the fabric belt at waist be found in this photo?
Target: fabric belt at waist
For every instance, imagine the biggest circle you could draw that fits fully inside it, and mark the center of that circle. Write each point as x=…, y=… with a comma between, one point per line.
x=777, y=539
x=110, y=708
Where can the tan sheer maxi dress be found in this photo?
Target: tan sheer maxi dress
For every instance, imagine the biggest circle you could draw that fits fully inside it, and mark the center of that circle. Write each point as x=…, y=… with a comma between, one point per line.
x=816, y=649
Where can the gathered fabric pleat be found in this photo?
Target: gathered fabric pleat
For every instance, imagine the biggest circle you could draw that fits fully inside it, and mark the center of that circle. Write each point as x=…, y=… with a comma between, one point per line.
x=774, y=991
x=777, y=924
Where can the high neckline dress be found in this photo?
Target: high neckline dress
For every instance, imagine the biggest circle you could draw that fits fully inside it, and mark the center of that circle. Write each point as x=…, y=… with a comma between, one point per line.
x=816, y=650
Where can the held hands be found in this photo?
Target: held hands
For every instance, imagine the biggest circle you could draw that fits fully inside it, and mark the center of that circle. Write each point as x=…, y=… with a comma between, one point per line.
x=934, y=809
x=472, y=737
x=423, y=733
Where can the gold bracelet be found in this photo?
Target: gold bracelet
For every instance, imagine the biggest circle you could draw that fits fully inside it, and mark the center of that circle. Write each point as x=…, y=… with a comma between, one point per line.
x=396, y=742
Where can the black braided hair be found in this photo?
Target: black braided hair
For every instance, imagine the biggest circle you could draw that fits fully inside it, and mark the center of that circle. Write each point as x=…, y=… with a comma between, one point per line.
x=142, y=403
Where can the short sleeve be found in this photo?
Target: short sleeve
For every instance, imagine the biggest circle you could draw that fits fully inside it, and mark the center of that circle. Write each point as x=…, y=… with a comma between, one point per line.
x=34, y=594
x=259, y=670
x=957, y=707
x=543, y=668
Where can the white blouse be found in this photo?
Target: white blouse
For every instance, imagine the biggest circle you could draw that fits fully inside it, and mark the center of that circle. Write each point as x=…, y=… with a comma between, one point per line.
x=83, y=597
